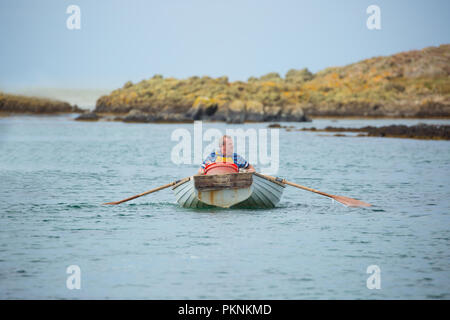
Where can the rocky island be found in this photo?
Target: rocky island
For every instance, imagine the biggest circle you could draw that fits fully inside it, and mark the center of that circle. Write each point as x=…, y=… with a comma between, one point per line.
x=413, y=84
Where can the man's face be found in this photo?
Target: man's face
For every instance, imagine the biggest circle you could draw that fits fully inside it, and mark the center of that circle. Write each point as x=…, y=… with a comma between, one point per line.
x=227, y=147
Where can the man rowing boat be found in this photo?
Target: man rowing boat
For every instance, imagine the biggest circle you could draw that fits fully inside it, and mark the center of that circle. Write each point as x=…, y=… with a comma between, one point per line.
x=265, y=191
x=225, y=154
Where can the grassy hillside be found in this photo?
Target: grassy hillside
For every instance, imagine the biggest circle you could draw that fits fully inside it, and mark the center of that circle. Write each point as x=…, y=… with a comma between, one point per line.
x=10, y=103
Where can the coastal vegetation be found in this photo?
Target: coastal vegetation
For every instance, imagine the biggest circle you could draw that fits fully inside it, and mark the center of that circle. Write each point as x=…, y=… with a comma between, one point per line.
x=10, y=103
x=408, y=84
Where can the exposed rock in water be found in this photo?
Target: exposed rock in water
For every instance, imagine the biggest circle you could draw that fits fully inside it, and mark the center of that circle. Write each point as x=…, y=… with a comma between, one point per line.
x=89, y=116
x=138, y=116
x=420, y=131
x=144, y=117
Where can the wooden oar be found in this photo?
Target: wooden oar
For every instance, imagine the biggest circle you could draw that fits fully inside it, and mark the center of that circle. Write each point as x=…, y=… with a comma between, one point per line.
x=150, y=191
x=344, y=200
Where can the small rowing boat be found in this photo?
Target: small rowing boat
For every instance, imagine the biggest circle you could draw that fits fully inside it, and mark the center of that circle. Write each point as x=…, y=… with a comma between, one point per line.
x=224, y=187
x=231, y=190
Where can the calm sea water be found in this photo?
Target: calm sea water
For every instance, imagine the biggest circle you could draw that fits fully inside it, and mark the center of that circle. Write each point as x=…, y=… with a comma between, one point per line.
x=56, y=172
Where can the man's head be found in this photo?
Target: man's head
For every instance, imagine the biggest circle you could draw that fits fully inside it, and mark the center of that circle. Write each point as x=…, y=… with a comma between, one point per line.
x=226, y=145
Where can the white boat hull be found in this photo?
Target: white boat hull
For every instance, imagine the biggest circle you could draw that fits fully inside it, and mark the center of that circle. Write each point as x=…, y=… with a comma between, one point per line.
x=262, y=193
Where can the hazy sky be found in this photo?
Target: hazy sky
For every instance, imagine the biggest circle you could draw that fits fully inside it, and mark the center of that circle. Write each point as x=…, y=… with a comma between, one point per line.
x=132, y=40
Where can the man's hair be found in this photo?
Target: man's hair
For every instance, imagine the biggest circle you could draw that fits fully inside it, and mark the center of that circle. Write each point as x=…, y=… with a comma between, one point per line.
x=223, y=138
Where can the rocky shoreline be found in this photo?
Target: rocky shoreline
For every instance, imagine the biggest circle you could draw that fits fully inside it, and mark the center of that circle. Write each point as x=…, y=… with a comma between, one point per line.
x=419, y=131
x=226, y=115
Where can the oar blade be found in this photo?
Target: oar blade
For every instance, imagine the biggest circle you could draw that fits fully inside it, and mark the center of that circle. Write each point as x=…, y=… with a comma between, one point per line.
x=111, y=203
x=350, y=202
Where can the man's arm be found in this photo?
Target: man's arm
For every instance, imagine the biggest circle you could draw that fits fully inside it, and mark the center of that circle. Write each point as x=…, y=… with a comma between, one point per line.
x=208, y=160
x=243, y=164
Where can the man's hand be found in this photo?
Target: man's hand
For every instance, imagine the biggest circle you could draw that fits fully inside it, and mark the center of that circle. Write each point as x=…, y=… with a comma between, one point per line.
x=250, y=168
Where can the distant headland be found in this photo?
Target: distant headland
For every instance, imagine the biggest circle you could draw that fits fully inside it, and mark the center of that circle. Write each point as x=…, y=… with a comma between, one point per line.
x=13, y=104
x=412, y=84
